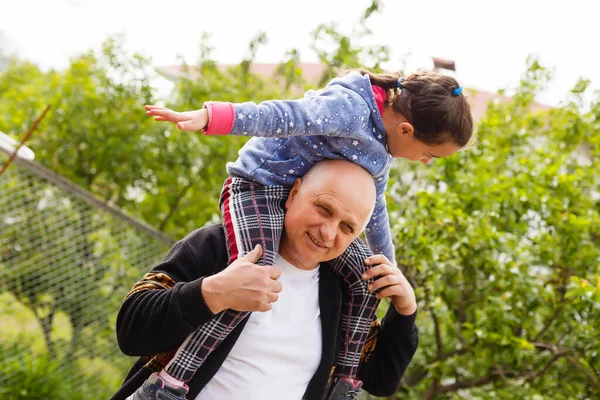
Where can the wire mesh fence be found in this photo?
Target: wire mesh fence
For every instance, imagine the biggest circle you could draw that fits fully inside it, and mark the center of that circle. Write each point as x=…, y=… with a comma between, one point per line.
x=66, y=262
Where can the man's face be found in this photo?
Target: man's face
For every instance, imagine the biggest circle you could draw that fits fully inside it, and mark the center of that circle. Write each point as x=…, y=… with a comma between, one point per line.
x=324, y=215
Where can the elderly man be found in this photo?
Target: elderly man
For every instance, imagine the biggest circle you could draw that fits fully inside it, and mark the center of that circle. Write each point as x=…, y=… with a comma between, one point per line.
x=286, y=348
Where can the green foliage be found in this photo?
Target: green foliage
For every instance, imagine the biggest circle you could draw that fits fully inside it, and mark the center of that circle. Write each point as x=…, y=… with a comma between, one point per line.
x=39, y=377
x=502, y=243
x=186, y=188
x=339, y=51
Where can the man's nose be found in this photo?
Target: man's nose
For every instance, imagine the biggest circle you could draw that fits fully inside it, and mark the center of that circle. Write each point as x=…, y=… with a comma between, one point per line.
x=426, y=160
x=328, y=231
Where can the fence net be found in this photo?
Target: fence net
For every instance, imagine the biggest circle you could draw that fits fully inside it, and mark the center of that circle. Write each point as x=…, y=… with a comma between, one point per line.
x=66, y=262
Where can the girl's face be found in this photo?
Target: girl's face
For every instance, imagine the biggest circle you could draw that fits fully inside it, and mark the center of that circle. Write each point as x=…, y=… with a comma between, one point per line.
x=406, y=145
x=402, y=142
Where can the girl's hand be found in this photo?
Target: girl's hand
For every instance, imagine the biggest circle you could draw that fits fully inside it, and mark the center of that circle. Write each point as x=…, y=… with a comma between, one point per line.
x=391, y=283
x=186, y=121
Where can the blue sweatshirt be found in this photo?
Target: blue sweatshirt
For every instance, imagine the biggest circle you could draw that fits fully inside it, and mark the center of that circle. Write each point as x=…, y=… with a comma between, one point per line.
x=340, y=121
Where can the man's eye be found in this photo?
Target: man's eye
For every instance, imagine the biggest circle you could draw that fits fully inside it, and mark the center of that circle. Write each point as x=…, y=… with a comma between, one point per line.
x=348, y=228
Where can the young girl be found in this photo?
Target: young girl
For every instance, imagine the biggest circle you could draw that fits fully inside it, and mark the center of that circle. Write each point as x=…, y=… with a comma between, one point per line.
x=366, y=118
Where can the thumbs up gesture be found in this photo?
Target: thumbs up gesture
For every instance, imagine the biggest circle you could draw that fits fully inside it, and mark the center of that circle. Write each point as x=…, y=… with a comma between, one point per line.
x=243, y=286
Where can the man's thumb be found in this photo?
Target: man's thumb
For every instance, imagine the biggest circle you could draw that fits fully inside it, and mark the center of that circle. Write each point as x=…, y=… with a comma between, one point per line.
x=254, y=255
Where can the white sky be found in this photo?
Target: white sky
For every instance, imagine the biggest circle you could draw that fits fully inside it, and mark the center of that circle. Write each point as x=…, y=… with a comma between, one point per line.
x=489, y=40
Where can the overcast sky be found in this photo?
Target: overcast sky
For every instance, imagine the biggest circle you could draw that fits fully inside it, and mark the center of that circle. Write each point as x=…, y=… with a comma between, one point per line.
x=489, y=40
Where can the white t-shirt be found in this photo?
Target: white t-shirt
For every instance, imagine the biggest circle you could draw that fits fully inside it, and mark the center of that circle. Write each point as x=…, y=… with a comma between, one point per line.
x=278, y=351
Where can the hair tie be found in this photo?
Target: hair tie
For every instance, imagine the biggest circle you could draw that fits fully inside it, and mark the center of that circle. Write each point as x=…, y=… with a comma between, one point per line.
x=457, y=91
x=400, y=80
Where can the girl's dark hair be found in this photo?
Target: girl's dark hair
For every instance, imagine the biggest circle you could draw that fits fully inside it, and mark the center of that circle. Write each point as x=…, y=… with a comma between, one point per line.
x=426, y=100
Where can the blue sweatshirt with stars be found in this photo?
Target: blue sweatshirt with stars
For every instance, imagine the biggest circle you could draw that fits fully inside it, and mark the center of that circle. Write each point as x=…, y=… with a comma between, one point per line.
x=340, y=121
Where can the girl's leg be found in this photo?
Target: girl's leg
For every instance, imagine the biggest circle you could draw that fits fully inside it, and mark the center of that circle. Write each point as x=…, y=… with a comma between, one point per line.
x=358, y=306
x=252, y=214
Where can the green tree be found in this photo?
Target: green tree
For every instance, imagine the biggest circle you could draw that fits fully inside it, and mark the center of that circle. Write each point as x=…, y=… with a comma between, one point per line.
x=93, y=135
x=189, y=185
x=339, y=51
x=503, y=245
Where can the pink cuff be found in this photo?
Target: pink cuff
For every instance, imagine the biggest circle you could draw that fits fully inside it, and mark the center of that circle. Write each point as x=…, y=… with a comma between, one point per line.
x=380, y=97
x=221, y=117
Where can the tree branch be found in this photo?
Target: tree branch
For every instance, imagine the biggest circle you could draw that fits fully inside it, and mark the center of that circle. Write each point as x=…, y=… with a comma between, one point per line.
x=25, y=138
x=174, y=207
x=416, y=377
x=595, y=382
x=562, y=289
x=438, y=336
x=570, y=358
x=436, y=325
x=492, y=377
x=458, y=311
x=554, y=315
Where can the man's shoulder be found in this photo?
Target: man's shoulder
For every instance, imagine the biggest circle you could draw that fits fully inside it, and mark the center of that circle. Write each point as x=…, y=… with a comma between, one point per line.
x=201, y=252
x=210, y=235
x=205, y=231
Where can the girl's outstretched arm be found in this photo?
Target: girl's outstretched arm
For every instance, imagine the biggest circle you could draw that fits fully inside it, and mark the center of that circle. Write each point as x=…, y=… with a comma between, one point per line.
x=185, y=121
x=332, y=111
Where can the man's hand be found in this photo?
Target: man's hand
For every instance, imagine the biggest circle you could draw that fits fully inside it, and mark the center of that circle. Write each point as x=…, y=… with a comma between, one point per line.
x=243, y=286
x=391, y=283
x=186, y=121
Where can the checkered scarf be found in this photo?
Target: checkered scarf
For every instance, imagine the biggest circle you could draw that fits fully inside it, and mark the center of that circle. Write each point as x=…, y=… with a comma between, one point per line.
x=254, y=214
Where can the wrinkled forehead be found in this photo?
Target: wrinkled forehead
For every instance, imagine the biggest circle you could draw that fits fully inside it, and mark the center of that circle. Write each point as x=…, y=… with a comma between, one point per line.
x=348, y=200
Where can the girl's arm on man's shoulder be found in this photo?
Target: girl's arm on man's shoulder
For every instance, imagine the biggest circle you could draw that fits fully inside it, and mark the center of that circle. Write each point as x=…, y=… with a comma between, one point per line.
x=378, y=230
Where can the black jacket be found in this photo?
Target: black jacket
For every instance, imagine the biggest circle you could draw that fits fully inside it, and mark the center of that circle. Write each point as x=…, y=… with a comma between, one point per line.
x=167, y=305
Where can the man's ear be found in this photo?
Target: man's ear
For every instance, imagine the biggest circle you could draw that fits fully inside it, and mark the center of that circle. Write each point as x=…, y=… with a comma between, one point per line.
x=405, y=128
x=293, y=192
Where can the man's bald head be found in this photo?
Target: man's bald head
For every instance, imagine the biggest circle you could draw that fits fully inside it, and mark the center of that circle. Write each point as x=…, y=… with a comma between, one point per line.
x=326, y=211
x=351, y=179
